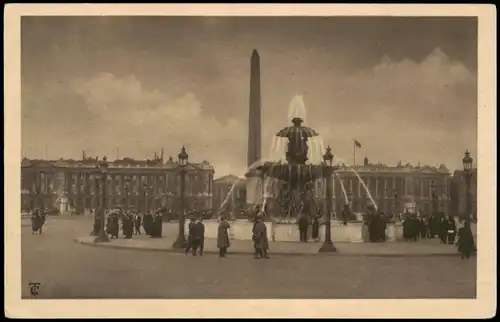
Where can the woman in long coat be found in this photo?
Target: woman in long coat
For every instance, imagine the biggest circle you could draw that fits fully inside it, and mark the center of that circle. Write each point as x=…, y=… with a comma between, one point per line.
x=465, y=241
x=259, y=236
x=315, y=228
x=223, y=237
x=452, y=231
x=35, y=222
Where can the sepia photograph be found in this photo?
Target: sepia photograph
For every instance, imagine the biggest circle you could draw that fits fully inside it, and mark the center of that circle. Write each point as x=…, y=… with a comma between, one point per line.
x=252, y=157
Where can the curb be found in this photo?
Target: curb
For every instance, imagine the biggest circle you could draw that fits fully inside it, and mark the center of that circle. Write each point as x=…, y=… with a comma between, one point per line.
x=280, y=254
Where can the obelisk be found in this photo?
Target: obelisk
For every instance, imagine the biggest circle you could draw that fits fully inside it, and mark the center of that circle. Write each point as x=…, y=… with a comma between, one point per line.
x=254, y=177
x=254, y=139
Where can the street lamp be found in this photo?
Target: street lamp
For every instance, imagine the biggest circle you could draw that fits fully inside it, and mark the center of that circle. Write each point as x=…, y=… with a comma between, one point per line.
x=97, y=209
x=434, y=199
x=39, y=190
x=328, y=246
x=101, y=236
x=468, y=171
x=181, y=242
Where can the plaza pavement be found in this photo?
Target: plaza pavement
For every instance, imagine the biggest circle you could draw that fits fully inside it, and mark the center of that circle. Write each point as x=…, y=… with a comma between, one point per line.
x=70, y=270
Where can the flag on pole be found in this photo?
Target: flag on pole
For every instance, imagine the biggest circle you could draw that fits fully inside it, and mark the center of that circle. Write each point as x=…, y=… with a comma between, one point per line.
x=358, y=145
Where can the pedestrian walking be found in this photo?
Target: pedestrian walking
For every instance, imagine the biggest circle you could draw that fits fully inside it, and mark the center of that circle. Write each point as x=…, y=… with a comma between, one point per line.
x=35, y=222
x=315, y=228
x=259, y=236
x=452, y=231
x=127, y=226
x=190, y=239
x=443, y=229
x=200, y=235
x=465, y=242
x=137, y=224
x=303, y=226
x=223, y=242
x=422, y=227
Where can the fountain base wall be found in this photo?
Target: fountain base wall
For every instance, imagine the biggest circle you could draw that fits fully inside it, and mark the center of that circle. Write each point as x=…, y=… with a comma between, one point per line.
x=282, y=232
x=254, y=185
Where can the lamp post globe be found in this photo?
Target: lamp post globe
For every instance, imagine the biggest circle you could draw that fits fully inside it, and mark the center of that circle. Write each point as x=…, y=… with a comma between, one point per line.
x=102, y=237
x=328, y=246
x=181, y=241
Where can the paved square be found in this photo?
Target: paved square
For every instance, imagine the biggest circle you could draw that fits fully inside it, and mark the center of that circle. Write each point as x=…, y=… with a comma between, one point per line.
x=67, y=269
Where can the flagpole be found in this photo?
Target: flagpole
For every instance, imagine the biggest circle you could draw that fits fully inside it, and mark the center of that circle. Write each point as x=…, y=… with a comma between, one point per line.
x=354, y=152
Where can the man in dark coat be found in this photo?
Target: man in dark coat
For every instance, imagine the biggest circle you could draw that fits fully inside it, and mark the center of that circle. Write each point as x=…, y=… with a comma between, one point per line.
x=223, y=242
x=315, y=228
x=115, y=231
x=346, y=214
x=303, y=226
x=157, y=226
x=465, y=241
x=407, y=227
x=200, y=236
x=259, y=236
x=423, y=227
x=381, y=227
x=137, y=224
x=431, y=224
x=41, y=223
x=35, y=222
x=127, y=226
x=191, y=237
x=443, y=229
x=147, y=223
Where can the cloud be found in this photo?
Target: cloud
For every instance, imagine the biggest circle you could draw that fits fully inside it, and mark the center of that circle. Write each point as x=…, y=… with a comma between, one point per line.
x=106, y=112
x=420, y=111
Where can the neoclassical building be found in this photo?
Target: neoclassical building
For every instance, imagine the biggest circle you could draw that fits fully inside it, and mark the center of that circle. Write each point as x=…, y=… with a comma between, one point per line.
x=148, y=184
x=391, y=187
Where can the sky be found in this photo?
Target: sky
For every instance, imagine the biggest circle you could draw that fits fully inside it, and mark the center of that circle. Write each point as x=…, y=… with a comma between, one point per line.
x=405, y=88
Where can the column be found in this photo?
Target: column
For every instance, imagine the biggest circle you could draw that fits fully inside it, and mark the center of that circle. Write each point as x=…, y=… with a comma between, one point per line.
x=124, y=197
x=155, y=191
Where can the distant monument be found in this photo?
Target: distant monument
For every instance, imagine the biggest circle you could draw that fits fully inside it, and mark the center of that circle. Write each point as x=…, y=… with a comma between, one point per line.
x=254, y=178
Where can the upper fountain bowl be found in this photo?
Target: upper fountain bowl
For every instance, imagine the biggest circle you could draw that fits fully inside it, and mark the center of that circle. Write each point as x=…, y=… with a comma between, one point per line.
x=297, y=130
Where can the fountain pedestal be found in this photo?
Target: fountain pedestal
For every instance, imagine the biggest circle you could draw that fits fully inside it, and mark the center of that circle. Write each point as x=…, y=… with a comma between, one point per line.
x=282, y=232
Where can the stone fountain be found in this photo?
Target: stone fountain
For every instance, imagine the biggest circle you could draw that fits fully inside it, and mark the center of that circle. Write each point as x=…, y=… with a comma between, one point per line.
x=295, y=176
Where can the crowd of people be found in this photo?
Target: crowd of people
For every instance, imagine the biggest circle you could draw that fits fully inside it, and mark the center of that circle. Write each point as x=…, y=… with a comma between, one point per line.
x=131, y=223
x=37, y=221
x=415, y=227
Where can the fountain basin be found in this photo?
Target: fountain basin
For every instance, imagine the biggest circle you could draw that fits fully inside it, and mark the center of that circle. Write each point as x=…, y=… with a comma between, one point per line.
x=283, y=232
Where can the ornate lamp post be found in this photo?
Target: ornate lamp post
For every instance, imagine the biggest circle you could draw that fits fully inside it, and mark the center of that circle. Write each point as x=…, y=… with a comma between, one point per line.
x=468, y=171
x=97, y=210
x=328, y=246
x=39, y=190
x=434, y=199
x=101, y=235
x=181, y=242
